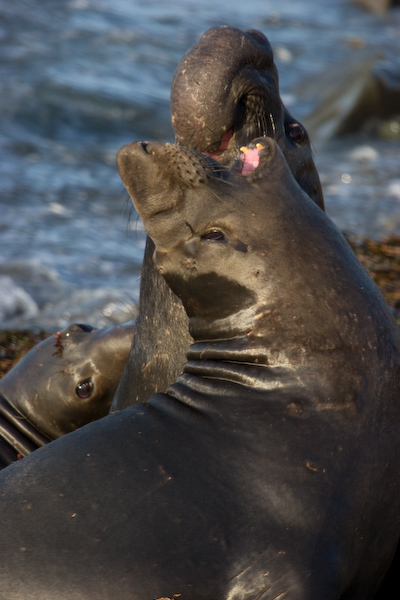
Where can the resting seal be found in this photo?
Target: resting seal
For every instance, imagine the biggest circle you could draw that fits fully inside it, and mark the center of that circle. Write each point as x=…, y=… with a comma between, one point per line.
x=224, y=93
x=269, y=469
x=62, y=383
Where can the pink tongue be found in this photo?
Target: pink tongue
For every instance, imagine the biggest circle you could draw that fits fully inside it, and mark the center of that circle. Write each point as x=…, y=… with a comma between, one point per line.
x=250, y=161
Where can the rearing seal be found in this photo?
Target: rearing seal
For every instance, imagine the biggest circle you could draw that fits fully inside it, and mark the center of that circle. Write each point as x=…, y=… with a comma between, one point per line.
x=225, y=92
x=250, y=477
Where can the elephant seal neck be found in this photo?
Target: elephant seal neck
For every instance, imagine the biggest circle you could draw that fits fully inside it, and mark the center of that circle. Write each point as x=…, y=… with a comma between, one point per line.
x=17, y=431
x=211, y=364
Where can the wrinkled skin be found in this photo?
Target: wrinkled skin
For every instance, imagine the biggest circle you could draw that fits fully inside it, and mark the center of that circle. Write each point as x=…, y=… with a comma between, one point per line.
x=270, y=468
x=225, y=92
x=62, y=383
x=217, y=105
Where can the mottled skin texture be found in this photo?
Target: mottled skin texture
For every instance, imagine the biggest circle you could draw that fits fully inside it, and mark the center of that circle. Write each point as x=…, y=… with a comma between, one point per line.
x=62, y=383
x=227, y=82
x=270, y=468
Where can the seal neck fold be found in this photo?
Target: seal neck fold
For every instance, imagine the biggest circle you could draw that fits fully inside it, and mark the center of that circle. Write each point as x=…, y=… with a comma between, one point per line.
x=17, y=431
x=235, y=360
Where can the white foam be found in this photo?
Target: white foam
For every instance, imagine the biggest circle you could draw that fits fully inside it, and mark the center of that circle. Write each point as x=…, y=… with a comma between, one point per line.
x=15, y=301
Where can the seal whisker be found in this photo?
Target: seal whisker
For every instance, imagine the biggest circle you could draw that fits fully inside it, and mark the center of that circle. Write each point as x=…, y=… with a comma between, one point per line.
x=220, y=199
x=263, y=124
x=272, y=123
x=132, y=212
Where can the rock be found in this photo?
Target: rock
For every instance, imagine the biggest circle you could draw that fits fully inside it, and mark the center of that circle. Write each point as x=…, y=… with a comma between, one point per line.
x=377, y=6
x=351, y=94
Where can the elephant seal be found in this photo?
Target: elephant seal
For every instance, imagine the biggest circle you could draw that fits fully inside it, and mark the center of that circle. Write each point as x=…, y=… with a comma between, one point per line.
x=270, y=467
x=62, y=383
x=224, y=93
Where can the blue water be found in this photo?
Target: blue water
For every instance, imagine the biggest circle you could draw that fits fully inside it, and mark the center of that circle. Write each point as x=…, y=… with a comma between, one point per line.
x=80, y=78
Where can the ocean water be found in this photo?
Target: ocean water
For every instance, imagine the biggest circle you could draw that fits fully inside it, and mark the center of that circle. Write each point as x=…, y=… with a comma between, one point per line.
x=80, y=78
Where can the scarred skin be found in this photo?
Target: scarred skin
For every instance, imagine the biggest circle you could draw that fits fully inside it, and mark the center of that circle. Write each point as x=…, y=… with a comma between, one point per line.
x=224, y=93
x=62, y=383
x=270, y=468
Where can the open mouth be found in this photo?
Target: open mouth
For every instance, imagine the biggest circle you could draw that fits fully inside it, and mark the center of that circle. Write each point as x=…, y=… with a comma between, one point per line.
x=264, y=127
x=250, y=157
x=223, y=145
x=247, y=161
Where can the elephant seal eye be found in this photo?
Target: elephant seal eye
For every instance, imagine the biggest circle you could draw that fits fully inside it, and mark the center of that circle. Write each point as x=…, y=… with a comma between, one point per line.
x=84, y=327
x=296, y=132
x=214, y=235
x=84, y=389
